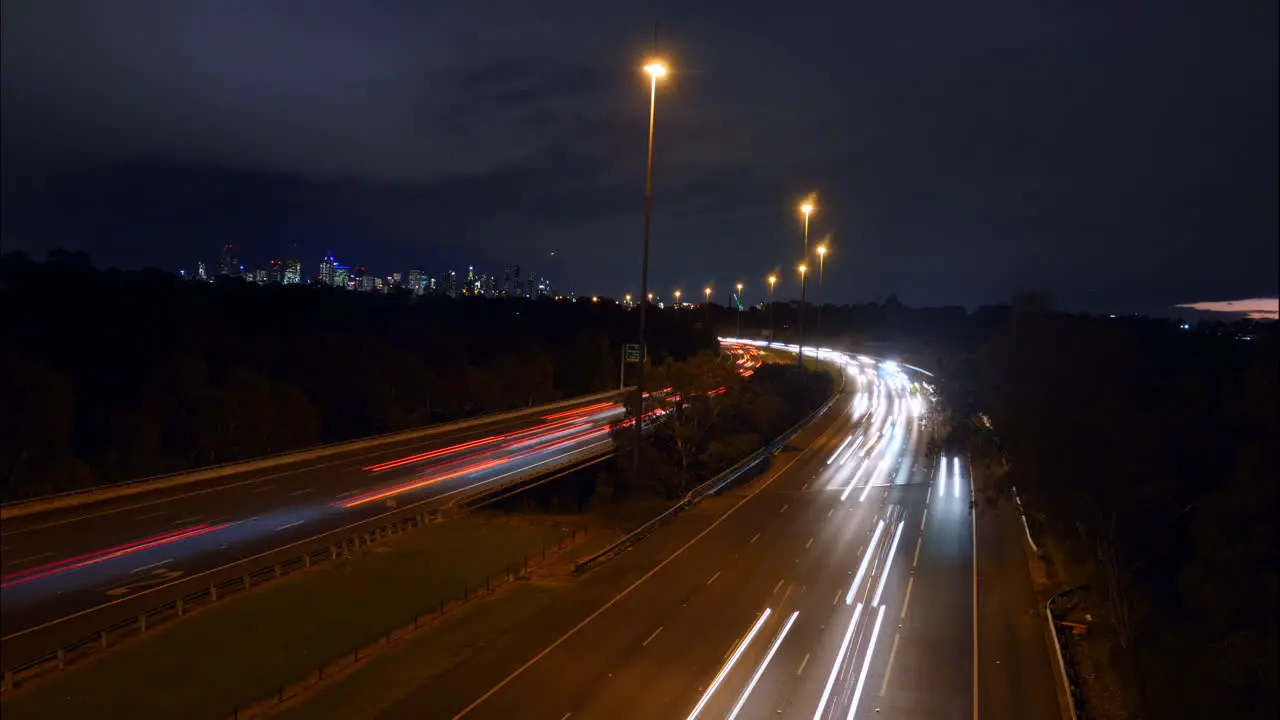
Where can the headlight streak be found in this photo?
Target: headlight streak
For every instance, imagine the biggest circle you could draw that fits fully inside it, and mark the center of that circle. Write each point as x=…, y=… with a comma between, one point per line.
x=844, y=495
x=852, y=449
x=763, y=664
x=866, y=559
x=835, y=667
x=866, y=664
x=737, y=653
x=955, y=473
x=884, y=576
x=835, y=454
x=942, y=477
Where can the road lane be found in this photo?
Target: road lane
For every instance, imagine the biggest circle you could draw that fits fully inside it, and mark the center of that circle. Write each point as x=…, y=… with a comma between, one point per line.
x=63, y=563
x=791, y=549
x=757, y=619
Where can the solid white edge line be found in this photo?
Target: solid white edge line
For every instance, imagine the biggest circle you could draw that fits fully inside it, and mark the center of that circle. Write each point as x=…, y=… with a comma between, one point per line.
x=884, y=576
x=835, y=668
x=763, y=664
x=737, y=653
x=866, y=665
x=862, y=568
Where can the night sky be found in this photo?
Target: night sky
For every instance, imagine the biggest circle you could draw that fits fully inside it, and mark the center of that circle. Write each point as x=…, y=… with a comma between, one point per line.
x=1122, y=156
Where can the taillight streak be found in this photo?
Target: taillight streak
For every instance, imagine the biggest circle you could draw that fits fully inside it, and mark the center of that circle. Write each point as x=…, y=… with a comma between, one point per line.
x=98, y=556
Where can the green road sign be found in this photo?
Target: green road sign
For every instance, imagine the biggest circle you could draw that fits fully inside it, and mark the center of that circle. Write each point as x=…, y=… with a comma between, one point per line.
x=633, y=352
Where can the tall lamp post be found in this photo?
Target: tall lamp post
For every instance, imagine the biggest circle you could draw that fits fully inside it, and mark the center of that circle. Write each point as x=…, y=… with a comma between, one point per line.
x=656, y=70
x=807, y=209
x=706, y=306
x=739, y=332
x=677, y=294
x=822, y=257
x=773, y=280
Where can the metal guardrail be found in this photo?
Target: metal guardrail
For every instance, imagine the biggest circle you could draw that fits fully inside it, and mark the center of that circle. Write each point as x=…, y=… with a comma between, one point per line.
x=1069, y=673
x=710, y=487
x=147, y=620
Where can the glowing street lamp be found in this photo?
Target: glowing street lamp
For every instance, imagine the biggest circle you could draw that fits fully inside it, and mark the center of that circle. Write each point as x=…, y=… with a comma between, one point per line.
x=739, y=331
x=677, y=294
x=706, y=305
x=822, y=258
x=773, y=280
x=806, y=209
x=656, y=70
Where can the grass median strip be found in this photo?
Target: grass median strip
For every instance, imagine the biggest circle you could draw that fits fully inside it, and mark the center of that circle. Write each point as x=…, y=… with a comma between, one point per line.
x=242, y=650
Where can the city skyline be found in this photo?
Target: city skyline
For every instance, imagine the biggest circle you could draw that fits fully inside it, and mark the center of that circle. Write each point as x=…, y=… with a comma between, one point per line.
x=964, y=160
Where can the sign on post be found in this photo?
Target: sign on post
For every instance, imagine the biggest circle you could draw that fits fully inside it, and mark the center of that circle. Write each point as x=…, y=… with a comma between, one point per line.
x=632, y=352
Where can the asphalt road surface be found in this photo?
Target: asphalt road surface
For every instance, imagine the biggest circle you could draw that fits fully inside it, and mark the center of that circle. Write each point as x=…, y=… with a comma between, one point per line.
x=74, y=561
x=840, y=585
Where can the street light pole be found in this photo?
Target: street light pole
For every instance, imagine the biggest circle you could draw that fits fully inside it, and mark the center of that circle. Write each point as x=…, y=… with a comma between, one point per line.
x=739, y=332
x=822, y=257
x=655, y=70
x=807, y=209
x=706, y=307
x=773, y=279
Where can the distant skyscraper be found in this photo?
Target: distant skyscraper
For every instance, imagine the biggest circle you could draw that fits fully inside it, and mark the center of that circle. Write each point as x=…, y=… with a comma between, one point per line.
x=542, y=288
x=417, y=281
x=341, y=276
x=292, y=272
x=259, y=275
x=275, y=271
x=511, y=282
x=328, y=267
x=228, y=264
x=449, y=283
x=201, y=272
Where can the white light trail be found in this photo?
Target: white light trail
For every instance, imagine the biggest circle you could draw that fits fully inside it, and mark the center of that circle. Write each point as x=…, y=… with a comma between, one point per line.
x=737, y=653
x=942, y=476
x=884, y=576
x=955, y=473
x=862, y=568
x=763, y=664
x=837, y=452
x=835, y=669
x=866, y=664
x=729, y=665
x=853, y=482
x=852, y=448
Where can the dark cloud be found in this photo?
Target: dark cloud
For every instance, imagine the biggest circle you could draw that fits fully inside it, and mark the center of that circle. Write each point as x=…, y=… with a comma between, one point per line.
x=1119, y=156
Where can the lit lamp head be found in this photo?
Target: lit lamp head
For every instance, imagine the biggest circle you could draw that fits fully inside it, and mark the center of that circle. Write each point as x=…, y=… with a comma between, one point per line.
x=772, y=279
x=822, y=251
x=807, y=208
x=656, y=70
x=803, y=269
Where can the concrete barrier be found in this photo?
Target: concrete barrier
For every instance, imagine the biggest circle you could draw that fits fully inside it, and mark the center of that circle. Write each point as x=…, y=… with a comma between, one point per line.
x=89, y=496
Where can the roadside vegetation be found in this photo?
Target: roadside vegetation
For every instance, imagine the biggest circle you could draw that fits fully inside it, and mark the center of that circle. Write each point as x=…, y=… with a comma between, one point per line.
x=1146, y=455
x=123, y=375
x=247, y=649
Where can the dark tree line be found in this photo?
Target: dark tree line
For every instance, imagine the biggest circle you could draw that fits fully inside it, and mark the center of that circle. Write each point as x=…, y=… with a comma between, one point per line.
x=1150, y=452
x=114, y=375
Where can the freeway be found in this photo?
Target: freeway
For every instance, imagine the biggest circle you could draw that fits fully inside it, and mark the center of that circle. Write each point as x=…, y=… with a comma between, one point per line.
x=68, y=573
x=842, y=584
x=60, y=563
